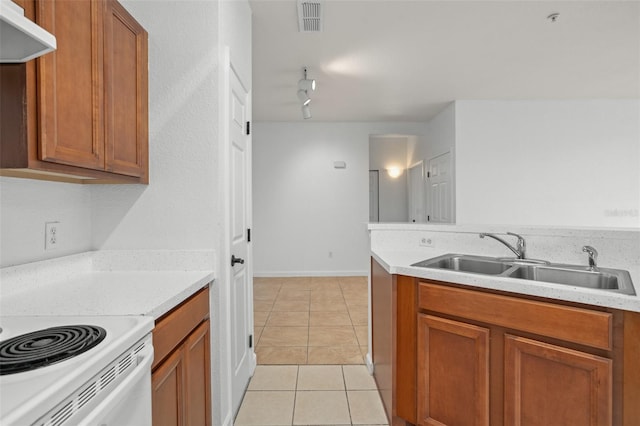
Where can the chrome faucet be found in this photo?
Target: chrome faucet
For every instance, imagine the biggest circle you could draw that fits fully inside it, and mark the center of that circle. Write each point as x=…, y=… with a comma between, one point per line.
x=593, y=257
x=519, y=249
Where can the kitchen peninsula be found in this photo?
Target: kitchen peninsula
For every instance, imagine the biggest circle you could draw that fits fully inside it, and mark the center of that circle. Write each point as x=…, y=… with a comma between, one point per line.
x=508, y=350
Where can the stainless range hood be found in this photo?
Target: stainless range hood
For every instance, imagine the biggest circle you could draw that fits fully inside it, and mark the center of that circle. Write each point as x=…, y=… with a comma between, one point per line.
x=20, y=38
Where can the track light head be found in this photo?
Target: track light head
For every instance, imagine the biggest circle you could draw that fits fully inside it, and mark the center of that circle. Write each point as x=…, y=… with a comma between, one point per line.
x=307, y=84
x=306, y=111
x=304, y=98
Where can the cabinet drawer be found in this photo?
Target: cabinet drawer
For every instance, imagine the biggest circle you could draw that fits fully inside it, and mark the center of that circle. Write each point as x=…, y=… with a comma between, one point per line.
x=175, y=326
x=577, y=325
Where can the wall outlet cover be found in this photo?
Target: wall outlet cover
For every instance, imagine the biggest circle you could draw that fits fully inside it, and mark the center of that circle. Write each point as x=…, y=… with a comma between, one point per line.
x=51, y=235
x=426, y=242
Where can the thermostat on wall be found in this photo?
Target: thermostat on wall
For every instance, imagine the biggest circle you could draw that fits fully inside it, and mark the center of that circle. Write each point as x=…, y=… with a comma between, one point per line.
x=339, y=164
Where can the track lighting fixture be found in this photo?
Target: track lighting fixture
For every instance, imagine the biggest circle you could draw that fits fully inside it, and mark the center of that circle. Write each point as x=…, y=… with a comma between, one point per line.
x=306, y=112
x=305, y=85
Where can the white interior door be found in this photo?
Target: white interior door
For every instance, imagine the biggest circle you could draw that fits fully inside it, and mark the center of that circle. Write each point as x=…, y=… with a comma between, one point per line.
x=440, y=189
x=416, y=193
x=242, y=355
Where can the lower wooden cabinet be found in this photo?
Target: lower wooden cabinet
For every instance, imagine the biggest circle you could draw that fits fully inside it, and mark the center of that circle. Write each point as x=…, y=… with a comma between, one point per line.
x=394, y=310
x=548, y=384
x=453, y=372
x=181, y=372
x=487, y=359
x=168, y=390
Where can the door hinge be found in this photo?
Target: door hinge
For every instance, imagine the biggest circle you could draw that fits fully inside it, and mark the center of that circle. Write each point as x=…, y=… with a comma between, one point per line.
x=428, y=174
x=249, y=235
x=251, y=340
x=248, y=127
x=428, y=218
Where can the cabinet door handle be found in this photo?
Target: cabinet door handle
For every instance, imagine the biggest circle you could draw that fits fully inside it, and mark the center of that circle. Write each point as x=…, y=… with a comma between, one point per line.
x=235, y=260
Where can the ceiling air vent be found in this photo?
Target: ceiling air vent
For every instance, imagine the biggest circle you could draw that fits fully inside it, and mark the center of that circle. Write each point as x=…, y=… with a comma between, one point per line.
x=310, y=15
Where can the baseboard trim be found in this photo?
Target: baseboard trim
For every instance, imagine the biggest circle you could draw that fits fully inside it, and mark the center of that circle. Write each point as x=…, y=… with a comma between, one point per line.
x=369, y=362
x=269, y=274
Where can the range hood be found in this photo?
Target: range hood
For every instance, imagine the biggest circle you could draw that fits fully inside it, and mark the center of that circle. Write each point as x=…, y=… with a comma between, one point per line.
x=20, y=38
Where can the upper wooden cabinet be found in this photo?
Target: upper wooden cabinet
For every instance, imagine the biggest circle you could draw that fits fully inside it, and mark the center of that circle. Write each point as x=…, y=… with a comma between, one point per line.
x=81, y=113
x=125, y=89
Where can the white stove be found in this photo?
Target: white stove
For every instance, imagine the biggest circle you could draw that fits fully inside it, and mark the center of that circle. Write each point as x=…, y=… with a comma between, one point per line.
x=109, y=384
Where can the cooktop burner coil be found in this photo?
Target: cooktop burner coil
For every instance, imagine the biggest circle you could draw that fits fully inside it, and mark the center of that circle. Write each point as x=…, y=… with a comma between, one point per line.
x=44, y=347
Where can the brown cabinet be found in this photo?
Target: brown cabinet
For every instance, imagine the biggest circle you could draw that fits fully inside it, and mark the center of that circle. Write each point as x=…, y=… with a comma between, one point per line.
x=511, y=361
x=79, y=113
x=181, y=368
x=548, y=384
x=453, y=372
x=492, y=358
x=393, y=328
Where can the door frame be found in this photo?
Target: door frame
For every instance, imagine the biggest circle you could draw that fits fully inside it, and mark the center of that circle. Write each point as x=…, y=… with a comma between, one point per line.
x=422, y=189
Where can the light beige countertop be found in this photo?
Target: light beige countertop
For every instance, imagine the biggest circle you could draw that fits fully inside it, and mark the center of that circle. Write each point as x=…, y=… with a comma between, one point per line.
x=399, y=262
x=101, y=283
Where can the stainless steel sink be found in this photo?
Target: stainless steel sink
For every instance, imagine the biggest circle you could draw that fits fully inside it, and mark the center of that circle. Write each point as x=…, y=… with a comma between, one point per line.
x=615, y=280
x=466, y=263
x=603, y=279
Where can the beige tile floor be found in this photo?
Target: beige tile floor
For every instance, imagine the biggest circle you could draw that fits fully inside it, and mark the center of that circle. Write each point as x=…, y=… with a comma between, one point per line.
x=311, y=395
x=310, y=320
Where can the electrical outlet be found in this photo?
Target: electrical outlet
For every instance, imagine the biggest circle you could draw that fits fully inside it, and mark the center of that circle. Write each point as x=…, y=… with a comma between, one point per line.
x=51, y=235
x=426, y=242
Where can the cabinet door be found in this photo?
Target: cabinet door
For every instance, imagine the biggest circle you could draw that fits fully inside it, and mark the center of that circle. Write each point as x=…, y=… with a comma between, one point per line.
x=453, y=373
x=168, y=389
x=552, y=385
x=197, y=396
x=126, y=99
x=70, y=84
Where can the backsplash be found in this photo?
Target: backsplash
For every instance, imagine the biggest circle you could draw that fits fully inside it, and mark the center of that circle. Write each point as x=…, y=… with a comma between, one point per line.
x=617, y=248
x=25, y=206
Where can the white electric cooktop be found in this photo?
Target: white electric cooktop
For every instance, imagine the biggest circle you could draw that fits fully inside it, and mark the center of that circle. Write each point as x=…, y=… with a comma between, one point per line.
x=26, y=396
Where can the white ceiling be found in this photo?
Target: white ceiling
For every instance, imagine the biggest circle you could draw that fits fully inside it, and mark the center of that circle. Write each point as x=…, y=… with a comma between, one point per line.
x=394, y=60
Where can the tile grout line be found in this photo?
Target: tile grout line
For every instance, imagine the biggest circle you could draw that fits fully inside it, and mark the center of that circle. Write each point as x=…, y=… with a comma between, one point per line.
x=346, y=394
x=295, y=395
x=308, y=327
x=353, y=327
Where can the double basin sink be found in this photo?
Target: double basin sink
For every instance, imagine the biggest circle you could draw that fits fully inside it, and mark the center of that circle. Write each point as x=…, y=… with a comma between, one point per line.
x=615, y=280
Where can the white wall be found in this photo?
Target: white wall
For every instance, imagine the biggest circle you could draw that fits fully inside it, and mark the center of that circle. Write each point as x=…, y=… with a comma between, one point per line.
x=386, y=152
x=235, y=32
x=304, y=208
x=25, y=206
x=178, y=208
x=561, y=163
x=439, y=138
